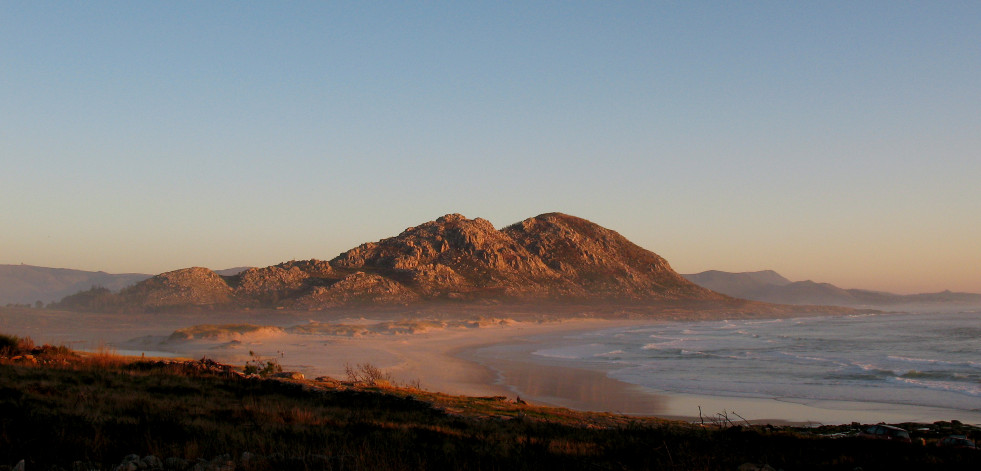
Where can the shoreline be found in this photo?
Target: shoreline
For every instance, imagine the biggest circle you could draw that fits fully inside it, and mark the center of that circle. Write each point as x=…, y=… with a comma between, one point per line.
x=555, y=382
x=322, y=424
x=489, y=360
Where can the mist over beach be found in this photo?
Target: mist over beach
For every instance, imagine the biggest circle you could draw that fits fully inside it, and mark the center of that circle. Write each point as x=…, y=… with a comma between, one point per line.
x=817, y=370
x=634, y=235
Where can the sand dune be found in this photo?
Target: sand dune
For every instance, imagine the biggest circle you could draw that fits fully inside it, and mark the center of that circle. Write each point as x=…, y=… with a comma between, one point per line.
x=415, y=351
x=439, y=353
x=225, y=333
x=423, y=351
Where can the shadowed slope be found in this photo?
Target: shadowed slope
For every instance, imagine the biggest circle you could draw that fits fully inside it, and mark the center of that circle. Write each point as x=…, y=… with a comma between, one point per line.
x=26, y=284
x=602, y=262
x=553, y=258
x=768, y=286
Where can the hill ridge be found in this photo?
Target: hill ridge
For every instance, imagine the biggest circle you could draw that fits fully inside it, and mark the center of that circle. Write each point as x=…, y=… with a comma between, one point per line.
x=27, y=284
x=753, y=286
x=553, y=257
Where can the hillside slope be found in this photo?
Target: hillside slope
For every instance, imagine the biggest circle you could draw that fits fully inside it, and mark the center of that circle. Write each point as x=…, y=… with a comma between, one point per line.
x=27, y=284
x=768, y=286
x=554, y=258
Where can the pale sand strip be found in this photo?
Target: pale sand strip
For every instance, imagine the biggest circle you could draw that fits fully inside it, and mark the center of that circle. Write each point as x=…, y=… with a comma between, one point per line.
x=454, y=361
x=435, y=359
x=427, y=357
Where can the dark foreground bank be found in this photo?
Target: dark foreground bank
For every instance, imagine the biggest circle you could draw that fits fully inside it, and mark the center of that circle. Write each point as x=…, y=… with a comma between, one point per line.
x=60, y=410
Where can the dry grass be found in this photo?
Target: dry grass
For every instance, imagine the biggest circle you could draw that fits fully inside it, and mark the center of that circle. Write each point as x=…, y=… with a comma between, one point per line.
x=100, y=407
x=11, y=345
x=104, y=356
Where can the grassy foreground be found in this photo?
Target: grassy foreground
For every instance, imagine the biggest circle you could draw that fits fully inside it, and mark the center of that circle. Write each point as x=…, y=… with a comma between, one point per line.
x=63, y=410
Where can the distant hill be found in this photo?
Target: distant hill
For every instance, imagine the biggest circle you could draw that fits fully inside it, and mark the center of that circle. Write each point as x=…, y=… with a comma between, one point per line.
x=554, y=258
x=725, y=282
x=768, y=286
x=26, y=284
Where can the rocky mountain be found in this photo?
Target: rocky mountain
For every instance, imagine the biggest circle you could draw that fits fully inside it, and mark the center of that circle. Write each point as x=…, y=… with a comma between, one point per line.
x=27, y=284
x=548, y=258
x=195, y=286
x=768, y=286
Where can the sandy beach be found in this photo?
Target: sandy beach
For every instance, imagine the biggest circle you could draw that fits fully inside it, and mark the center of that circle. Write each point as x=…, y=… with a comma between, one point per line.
x=437, y=357
x=584, y=387
x=489, y=357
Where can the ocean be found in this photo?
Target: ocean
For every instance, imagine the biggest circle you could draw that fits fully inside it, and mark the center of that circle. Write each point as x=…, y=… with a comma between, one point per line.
x=903, y=360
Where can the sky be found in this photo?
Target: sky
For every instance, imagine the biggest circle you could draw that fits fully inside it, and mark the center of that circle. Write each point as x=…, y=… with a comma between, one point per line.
x=833, y=141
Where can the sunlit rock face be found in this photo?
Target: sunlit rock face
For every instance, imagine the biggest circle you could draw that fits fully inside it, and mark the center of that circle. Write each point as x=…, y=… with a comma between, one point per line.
x=194, y=286
x=552, y=257
x=600, y=262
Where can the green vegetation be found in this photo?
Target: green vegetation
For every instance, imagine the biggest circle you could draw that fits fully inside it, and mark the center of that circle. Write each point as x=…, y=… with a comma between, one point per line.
x=65, y=409
x=95, y=299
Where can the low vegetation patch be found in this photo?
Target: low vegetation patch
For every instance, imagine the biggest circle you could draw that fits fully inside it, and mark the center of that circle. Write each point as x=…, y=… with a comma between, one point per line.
x=224, y=332
x=258, y=366
x=367, y=374
x=65, y=410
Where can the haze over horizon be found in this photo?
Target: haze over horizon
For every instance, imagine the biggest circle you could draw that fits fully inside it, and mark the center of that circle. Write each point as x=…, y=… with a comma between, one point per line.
x=832, y=142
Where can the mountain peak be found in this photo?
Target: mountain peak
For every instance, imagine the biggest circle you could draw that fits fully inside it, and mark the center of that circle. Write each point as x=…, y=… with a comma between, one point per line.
x=605, y=262
x=551, y=257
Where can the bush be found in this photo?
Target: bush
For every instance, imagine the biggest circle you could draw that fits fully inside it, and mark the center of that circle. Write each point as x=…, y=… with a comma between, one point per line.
x=258, y=366
x=13, y=345
x=366, y=373
x=8, y=344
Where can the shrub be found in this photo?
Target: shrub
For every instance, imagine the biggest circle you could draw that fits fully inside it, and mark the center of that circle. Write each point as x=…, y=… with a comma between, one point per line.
x=258, y=366
x=8, y=344
x=366, y=373
x=14, y=345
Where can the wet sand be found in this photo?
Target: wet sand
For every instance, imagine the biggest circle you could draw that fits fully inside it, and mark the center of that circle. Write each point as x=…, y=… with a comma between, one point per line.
x=587, y=387
x=489, y=360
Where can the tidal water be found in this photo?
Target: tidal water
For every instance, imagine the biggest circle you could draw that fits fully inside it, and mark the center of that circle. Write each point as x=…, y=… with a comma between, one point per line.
x=931, y=360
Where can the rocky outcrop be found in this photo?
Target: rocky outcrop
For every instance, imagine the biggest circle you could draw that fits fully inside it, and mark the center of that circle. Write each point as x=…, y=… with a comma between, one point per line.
x=186, y=287
x=270, y=284
x=433, y=280
x=552, y=257
x=455, y=255
x=601, y=262
x=357, y=288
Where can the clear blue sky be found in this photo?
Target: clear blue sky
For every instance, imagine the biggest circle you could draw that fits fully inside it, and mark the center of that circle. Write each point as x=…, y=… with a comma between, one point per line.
x=834, y=141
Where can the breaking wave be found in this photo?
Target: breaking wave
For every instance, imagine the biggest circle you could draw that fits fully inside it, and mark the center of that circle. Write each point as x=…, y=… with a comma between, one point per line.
x=896, y=358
